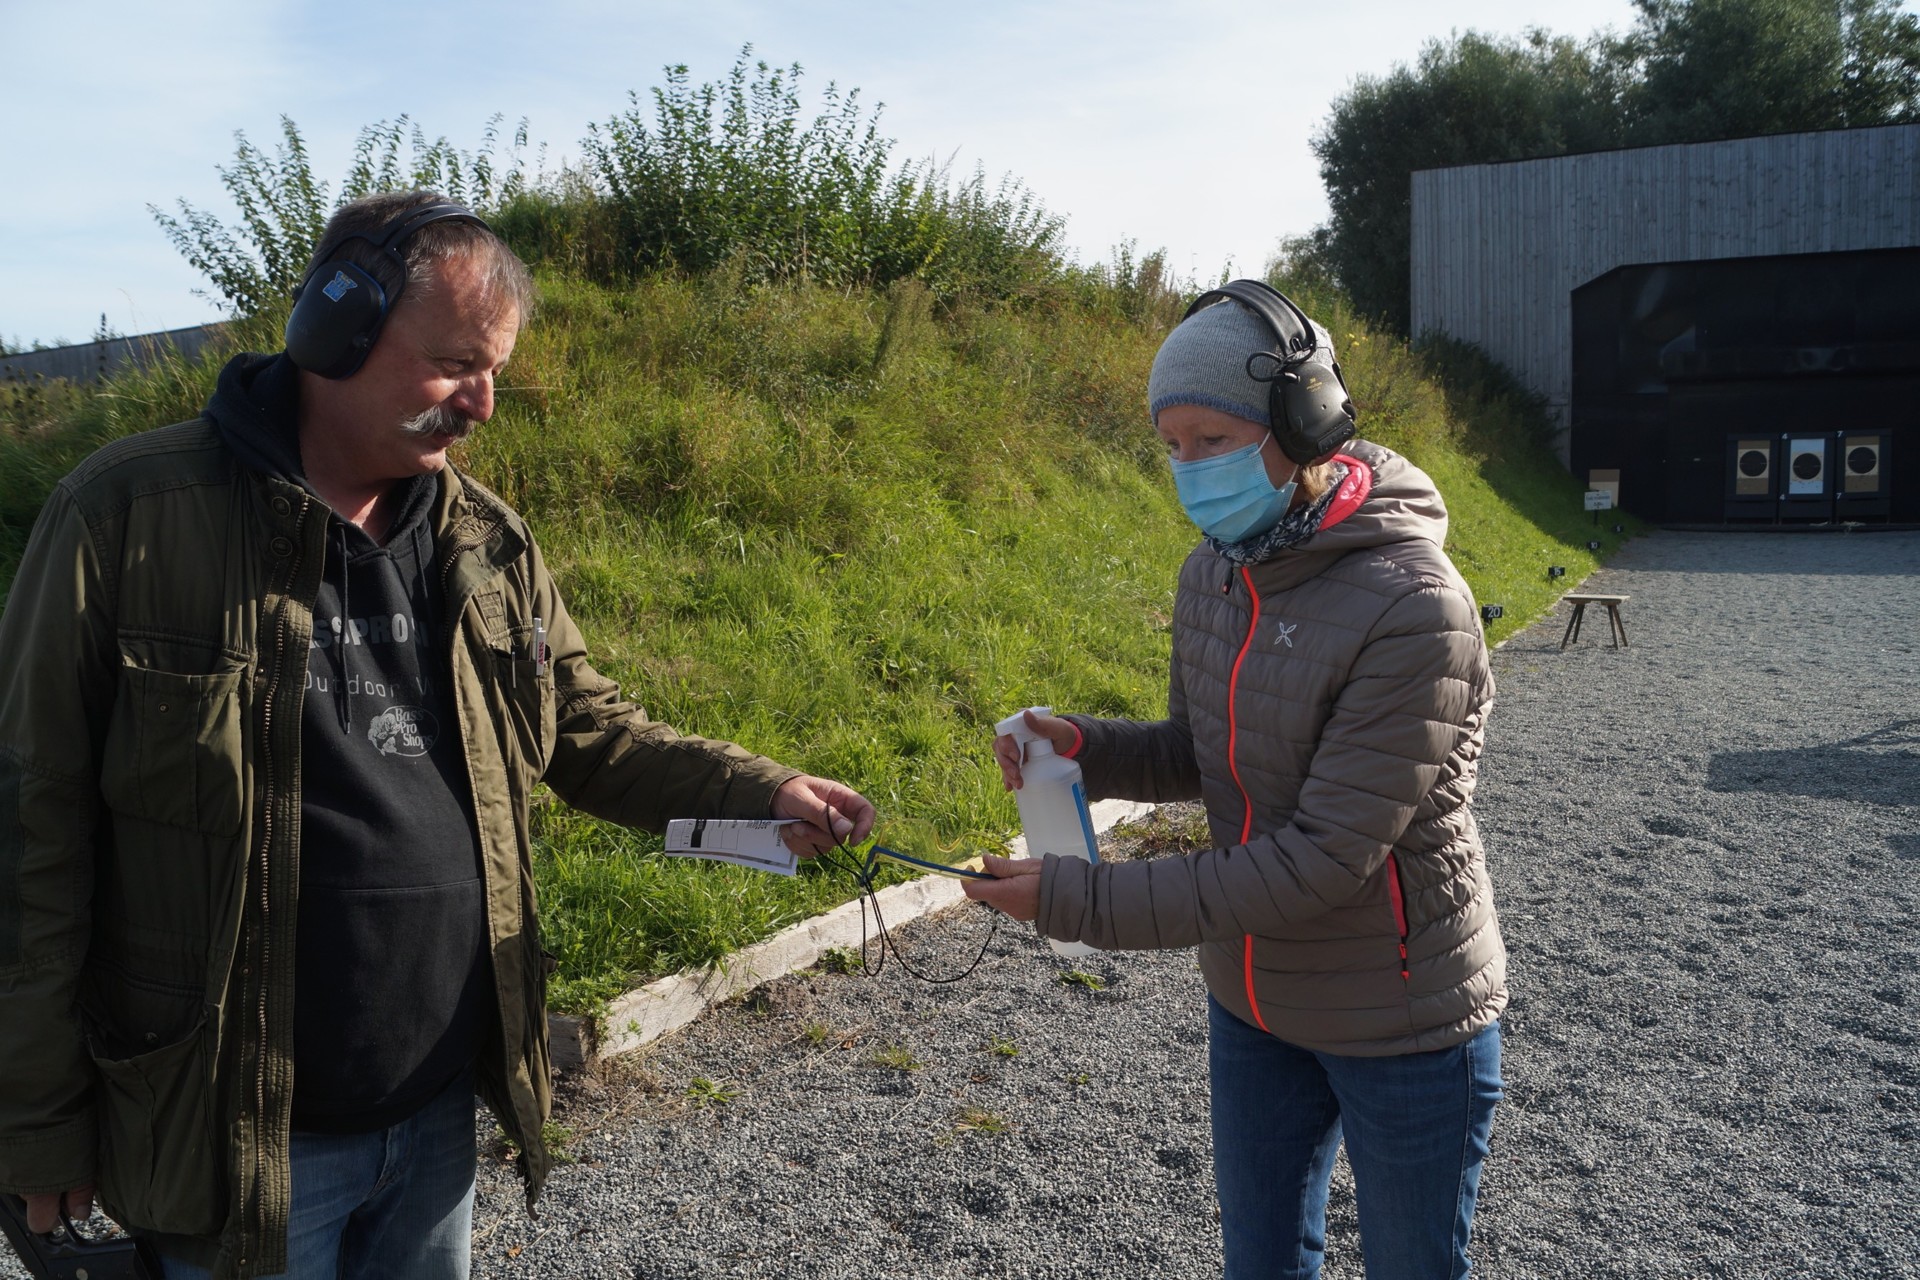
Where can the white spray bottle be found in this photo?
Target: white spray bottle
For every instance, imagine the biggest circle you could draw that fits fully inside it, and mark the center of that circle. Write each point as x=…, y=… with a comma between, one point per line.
x=1053, y=805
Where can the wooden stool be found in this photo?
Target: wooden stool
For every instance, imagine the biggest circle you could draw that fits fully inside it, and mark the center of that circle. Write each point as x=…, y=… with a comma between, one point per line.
x=1580, y=600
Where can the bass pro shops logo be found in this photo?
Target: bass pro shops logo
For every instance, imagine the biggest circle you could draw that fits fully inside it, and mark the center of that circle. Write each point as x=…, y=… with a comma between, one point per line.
x=403, y=731
x=337, y=287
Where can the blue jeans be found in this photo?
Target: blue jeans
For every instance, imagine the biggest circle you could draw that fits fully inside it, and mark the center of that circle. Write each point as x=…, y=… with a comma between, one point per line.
x=393, y=1204
x=1416, y=1129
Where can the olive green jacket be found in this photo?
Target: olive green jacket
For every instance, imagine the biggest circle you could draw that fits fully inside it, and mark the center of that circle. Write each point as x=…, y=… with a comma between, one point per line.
x=155, y=654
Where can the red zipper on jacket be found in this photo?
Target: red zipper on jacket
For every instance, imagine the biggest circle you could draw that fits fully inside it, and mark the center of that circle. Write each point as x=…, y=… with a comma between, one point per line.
x=1399, y=913
x=1233, y=768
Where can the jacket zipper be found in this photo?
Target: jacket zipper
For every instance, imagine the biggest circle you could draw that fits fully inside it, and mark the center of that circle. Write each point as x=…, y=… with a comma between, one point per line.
x=1233, y=768
x=251, y=1245
x=1399, y=913
x=251, y=1248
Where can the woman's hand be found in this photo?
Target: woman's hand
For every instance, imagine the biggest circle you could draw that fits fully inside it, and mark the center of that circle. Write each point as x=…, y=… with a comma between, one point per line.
x=1017, y=889
x=1006, y=747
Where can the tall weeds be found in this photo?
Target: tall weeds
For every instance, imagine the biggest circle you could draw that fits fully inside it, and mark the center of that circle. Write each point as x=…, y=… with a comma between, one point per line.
x=253, y=267
x=733, y=172
x=729, y=175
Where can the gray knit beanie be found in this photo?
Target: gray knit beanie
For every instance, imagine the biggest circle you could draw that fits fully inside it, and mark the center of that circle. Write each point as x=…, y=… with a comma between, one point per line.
x=1204, y=362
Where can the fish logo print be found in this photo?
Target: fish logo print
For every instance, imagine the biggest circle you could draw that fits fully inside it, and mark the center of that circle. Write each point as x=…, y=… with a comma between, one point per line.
x=337, y=287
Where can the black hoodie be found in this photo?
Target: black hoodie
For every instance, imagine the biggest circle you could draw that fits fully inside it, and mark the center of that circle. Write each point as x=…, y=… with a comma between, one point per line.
x=391, y=968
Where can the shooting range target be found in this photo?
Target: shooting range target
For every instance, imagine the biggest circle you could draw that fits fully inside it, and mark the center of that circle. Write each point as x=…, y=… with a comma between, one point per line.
x=1861, y=455
x=1753, y=468
x=1807, y=466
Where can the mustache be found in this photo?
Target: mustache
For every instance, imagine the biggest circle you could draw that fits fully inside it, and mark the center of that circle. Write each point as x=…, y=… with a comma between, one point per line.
x=440, y=420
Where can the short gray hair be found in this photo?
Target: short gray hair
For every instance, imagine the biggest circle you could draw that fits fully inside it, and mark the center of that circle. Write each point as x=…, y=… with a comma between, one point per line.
x=355, y=228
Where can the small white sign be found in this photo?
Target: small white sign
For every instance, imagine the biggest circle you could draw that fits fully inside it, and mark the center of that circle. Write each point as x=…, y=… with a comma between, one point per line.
x=1599, y=500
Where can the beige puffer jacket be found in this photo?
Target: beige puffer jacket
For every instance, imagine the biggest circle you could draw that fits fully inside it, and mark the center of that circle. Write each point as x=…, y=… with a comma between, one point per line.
x=1329, y=706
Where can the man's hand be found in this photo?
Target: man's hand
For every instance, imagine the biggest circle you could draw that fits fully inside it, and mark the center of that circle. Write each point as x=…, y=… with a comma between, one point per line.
x=1016, y=891
x=1006, y=747
x=810, y=799
x=43, y=1210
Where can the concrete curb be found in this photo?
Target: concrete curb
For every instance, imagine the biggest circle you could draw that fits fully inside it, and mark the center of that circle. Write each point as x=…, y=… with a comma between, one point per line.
x=664, y=1005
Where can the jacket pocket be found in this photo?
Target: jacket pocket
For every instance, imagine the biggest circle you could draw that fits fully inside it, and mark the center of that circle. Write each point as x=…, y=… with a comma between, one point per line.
x=526, y=701
x=173, y=748
x=159, y=1167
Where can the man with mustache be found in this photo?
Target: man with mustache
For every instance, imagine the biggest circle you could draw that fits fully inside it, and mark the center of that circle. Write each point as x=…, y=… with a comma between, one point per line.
x=281, y=684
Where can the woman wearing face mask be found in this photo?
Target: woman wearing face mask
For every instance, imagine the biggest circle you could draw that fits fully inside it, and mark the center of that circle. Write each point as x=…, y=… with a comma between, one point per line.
x=1328, y=703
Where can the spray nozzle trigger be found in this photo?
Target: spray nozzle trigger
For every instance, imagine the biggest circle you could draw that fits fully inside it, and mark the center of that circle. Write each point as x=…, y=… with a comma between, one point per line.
x=1031, y=742
x=1016, y=725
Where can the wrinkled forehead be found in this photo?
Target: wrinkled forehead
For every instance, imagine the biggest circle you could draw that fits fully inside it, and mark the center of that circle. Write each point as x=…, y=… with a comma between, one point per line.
x=469, y=287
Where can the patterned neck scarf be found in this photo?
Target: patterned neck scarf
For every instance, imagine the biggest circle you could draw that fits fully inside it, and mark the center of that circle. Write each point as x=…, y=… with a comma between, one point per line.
x=1294, y=528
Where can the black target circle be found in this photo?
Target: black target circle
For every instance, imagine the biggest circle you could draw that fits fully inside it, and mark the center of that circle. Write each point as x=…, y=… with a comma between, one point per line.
x=1862, y=460
x=1806, y=466
x=1753, y=463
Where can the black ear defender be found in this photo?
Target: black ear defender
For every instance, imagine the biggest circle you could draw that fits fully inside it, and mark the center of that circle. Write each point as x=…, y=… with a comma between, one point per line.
x=1306, y=396
x=339, y=308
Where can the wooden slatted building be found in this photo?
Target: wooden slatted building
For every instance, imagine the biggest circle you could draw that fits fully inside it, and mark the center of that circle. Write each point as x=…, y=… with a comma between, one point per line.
x=92, y=361
x=1733, y=326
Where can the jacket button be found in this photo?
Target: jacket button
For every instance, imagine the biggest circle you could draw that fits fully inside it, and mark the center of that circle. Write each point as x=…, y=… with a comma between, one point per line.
x=282, y=547
x=282, y=507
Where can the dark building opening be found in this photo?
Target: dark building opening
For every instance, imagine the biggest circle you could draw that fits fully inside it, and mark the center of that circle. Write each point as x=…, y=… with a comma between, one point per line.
x=1740, y=391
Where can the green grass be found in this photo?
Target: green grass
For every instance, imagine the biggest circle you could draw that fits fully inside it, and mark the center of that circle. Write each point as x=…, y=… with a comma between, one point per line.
x=895, y=1057
x=981, y=1121
x=851, y=529
x=702, y=1093
x=557, y=1136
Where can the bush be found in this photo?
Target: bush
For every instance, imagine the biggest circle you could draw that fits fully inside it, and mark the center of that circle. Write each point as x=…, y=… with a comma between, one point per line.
x=283, y=207
x=719, y=177
x=728, y=174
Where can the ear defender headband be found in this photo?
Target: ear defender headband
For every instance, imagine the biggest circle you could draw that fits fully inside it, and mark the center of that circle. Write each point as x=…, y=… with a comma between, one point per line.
x=339, y=308
x=1306, y=396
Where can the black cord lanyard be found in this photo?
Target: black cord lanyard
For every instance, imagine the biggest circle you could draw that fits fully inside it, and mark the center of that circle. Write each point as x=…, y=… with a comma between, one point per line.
x=841, y=858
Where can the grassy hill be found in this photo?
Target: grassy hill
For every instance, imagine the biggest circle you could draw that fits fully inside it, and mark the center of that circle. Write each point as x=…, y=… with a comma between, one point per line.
x=851, y=528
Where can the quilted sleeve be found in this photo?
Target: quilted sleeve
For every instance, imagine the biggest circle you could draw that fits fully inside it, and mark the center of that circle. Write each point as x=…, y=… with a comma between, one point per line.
x=1411, y=701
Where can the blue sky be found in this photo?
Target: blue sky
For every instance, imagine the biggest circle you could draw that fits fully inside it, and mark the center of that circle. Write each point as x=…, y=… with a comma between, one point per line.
x=1177, y=126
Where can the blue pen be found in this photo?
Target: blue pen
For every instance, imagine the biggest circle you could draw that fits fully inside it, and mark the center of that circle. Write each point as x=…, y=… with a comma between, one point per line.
x=881, y=851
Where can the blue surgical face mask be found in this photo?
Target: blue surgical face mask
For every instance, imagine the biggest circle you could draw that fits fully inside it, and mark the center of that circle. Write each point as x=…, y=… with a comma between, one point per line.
x=1229, y=496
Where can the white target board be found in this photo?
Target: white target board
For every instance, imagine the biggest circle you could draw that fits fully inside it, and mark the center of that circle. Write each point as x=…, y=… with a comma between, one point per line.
x=1807, y=465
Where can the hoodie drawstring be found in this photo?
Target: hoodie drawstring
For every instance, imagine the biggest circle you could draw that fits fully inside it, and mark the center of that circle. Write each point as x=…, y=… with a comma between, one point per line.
x=342, y=702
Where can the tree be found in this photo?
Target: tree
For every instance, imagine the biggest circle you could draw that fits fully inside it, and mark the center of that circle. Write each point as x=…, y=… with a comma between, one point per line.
x=1688, y=71
x=1710, y=69
x=1470, y=100
x=1881, y=81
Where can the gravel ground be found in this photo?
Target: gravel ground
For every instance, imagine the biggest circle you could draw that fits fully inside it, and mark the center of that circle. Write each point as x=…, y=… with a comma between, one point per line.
x=1704, y=848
